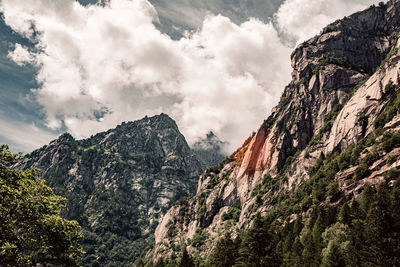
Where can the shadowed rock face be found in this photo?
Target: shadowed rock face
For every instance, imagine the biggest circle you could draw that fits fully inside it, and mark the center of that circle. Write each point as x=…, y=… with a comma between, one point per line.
x=336, y=94
x=118, y=183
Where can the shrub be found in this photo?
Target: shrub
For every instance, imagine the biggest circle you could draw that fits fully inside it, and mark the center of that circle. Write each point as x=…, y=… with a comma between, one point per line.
x=233, y=213
x=388, y=88
x=390, y=141
x=199, y=238
x=391, y=159
x=392, y=174
x=332, y=188
x=361, y=171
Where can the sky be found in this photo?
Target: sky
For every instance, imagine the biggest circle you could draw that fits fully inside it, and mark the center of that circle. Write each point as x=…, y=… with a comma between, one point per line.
x=86, y=66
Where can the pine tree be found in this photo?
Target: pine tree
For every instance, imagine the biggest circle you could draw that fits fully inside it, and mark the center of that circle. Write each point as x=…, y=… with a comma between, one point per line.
x=225, y=253
x=257, y=246
x=309, y=248
x=316, y=236
x=186, y=260
x=344, y=214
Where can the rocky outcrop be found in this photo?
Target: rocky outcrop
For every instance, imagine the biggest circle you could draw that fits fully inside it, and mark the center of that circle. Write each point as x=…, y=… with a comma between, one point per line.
x=118, y=183
x=343, y=81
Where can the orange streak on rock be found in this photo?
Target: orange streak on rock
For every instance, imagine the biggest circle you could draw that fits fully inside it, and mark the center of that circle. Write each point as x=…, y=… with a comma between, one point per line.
x=254, y=155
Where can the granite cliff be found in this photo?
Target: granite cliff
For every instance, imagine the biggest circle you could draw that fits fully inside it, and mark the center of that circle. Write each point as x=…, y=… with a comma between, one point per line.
x=334, y=131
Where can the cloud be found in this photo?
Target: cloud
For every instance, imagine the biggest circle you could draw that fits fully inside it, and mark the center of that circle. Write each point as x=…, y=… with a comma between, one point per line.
x=21, y=56
x=302, y=19
x=100, y=65
x=111, y=60
x=24, y=137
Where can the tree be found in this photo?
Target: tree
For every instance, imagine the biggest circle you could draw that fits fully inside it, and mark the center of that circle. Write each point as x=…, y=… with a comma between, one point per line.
x=31, y=229
x=186, y=260
x=344, y=214
x=258, y=246
x=337, y=245
x=225, y=252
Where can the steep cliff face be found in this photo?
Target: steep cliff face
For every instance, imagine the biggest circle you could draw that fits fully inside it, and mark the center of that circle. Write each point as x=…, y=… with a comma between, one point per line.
x=342, y=107
x=118, y=183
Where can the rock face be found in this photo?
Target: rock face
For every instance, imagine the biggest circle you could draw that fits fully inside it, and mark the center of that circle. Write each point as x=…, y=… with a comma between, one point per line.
x=118, y=183
x=210, y=150
x=344, y=95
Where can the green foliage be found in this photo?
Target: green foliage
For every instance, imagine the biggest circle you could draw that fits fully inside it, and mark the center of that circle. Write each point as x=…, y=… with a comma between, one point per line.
x=201, y=204
x=328, y=236
x=393, y=173
x=186, y=260
x=212, y=182
x=363, y=122
x=31, y=229
x=216, y=169
x=337, y=242
x=199, y=238
x=388, y=56
x=332, y=188
x=328, y=122
x=361, y=171
x=214, y=172
x=390, y=141
x=390, y=110
x=391, y=159
x=233, y=213
x=389, y=87
x=225, y=253
x=342, y=62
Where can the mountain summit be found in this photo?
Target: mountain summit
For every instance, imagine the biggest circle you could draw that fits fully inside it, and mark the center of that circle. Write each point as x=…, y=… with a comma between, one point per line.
x=209, y=150
x=118, y=183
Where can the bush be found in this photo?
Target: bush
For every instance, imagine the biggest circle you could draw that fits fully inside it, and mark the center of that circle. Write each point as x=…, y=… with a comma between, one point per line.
x=390, y=110
x=392, y=174
x=390, y=141
x=332, y=188
x=391, y=159
x=233, y=213
x=388, y=88
x=361, y=171
x=199, y=238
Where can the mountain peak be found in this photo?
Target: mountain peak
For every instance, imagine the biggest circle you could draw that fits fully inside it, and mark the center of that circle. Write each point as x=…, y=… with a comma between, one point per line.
x=119, y=181
x=209, y=150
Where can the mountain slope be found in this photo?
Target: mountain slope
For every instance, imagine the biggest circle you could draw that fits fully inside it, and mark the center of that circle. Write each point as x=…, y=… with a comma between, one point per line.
x=118, y=183
x=335, y=130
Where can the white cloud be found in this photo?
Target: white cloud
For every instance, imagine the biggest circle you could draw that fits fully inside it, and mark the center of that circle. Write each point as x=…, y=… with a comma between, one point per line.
x=222, y=77
x=21, y=55
x=303, y=19
x=112, y=60
x=24, y=137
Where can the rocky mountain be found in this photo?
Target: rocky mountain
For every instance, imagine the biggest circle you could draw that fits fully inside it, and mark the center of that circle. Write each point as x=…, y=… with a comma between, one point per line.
x=334, y=134
x=118, y=183
x=209, y=150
